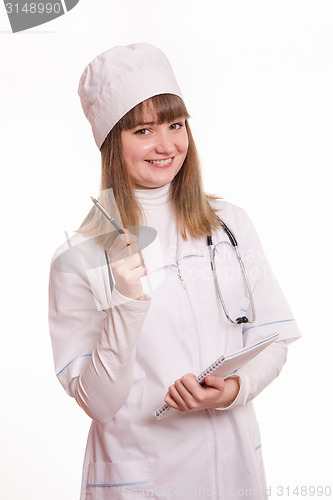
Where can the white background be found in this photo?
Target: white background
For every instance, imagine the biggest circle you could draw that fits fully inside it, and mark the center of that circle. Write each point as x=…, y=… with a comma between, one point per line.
x=257, y=77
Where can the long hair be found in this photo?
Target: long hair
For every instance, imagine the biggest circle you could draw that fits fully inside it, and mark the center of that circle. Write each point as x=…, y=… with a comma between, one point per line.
x=194, y=214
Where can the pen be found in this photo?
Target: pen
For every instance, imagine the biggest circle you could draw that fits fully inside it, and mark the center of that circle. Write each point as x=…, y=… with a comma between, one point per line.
x=115, y=225
x=113, y=222
x=109, y=218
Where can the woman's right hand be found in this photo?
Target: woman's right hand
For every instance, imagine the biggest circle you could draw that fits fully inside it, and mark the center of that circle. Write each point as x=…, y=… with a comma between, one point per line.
x=127, y=265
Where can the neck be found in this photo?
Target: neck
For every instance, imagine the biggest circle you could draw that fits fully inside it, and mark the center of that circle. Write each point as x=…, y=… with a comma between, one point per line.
x=153, y=197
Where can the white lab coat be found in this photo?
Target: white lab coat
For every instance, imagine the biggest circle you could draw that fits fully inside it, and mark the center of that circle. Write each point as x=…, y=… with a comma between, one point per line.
x=180, y=329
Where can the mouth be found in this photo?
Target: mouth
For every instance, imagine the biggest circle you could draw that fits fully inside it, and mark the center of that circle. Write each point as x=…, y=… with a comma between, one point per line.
x=161, y=163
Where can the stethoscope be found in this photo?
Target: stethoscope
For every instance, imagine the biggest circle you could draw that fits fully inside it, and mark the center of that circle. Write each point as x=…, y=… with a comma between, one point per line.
x=212, y=251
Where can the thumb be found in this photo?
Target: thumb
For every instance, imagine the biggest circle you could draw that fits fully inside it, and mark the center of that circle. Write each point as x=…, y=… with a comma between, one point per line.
x=215, y=382
x=124, y=246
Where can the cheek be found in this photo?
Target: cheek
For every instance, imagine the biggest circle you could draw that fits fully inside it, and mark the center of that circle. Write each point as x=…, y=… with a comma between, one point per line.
x=128, y=152
x=183, y=146
x=133, y=152
x=183, y=142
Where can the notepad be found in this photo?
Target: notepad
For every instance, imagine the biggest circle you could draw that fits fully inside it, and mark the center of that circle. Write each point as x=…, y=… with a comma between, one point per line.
x=226, y=365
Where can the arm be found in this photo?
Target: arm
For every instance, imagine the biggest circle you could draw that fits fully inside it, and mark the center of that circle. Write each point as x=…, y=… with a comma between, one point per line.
x=260, y=372
x=272, y=314
x=187, y=394
x=105, y=381
x=94, y=350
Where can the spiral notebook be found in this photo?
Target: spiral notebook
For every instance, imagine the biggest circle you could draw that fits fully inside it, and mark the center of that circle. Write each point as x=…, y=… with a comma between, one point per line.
x=226, y=365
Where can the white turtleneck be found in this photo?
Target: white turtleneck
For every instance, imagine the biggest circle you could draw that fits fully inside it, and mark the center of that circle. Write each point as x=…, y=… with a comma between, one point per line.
x=156, y=204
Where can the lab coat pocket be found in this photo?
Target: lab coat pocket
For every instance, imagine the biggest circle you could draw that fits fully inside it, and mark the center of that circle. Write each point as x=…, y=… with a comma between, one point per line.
x=108, y=479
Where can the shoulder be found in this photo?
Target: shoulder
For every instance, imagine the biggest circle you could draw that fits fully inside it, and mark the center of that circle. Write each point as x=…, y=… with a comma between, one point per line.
x=238, y=221
x=229, y=212
x=77, y=253
x=74, y=240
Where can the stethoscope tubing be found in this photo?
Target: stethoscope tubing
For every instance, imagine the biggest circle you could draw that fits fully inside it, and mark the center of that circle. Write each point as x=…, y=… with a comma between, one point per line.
x=211, y=246
x=234, y=243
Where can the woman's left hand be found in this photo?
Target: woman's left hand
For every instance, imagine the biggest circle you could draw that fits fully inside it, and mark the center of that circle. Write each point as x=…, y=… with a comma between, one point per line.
x=186, y=394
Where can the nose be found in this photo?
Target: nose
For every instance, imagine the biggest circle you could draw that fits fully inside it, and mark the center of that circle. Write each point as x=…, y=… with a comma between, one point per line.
x=164, y=143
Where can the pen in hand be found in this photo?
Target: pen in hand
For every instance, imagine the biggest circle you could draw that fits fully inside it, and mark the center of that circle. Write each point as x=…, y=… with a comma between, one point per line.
x=119, y=229
x=108, y=216
x=111, y=219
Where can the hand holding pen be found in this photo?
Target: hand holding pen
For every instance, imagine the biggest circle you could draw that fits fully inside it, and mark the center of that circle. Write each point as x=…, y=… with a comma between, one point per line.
x=126, y=260
x=127, y=269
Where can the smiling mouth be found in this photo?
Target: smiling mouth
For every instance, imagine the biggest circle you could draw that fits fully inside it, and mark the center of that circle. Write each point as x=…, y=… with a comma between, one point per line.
x=161, y=163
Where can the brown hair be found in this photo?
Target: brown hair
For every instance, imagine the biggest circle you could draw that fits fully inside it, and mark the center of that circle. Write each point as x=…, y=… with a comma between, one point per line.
x=193, y=212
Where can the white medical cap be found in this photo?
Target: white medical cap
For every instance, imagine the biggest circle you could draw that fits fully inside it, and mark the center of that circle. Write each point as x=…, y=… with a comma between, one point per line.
x=119, y=79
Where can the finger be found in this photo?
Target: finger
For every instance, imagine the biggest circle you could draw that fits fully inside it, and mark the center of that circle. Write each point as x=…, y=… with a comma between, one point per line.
x=196, y=398
x=190, y=390
x=138, y=273
x=142, y=259
x=128, y=240
x=138, y=257
x=171, y=402
x=215, y=382
x=132, y=261
x=129, y=269
x=174, y=393
x=191, y=385
x=123, y=240
x=124, y=245
x=126, y=251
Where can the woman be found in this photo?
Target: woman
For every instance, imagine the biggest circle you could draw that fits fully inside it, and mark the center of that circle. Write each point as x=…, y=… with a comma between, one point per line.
x=120, y=353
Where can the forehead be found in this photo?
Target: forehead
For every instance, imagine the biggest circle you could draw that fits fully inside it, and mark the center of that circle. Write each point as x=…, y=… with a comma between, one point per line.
x=158, y=109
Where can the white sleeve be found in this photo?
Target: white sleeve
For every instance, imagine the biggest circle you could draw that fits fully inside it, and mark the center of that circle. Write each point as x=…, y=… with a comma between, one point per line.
x=105, y=381
x=273, y=314
x=259, y=373
x=93, y=349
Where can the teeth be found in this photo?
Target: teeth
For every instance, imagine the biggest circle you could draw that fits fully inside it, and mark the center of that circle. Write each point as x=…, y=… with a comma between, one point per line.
x=160, y=162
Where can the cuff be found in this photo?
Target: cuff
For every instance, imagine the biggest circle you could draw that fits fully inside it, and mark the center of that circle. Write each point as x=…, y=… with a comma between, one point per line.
x=117, y=298
x=239, y=399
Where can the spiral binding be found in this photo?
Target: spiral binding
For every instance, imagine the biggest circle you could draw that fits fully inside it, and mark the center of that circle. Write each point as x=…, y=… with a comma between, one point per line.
x=200, y=378
x=162, y=411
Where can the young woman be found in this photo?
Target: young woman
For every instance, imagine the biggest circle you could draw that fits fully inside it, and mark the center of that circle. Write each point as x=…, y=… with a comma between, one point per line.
x=134, y=319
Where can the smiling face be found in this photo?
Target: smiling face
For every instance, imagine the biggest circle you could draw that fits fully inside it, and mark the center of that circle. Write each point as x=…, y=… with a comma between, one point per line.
x=154, y=152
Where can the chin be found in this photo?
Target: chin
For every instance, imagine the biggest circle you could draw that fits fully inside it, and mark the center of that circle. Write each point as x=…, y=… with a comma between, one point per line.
x=157, y=183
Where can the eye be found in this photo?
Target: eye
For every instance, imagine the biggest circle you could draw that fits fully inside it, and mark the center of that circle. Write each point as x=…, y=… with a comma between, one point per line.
x=176, y=126
x=142, y=131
